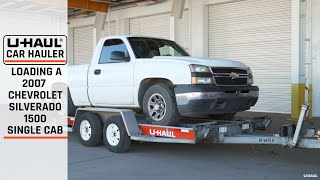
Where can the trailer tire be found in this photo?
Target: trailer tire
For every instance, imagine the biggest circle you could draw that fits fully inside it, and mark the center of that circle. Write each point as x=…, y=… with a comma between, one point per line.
x=89, y=129
x=168, y=112
x=115, y=135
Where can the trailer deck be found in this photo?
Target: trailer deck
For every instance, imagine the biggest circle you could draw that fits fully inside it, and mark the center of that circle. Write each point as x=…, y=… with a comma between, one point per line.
x=192, y=131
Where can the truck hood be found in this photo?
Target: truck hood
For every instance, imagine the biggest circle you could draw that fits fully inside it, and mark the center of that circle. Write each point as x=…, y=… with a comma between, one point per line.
x=203, y=61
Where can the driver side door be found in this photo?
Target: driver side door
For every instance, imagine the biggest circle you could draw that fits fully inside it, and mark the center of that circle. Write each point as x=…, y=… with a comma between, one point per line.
x=110, y=80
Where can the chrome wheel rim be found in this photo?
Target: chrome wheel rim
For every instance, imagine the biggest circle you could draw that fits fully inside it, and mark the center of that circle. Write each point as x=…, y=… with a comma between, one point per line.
x=85, y=130
x=157, y=107
x=113, y=134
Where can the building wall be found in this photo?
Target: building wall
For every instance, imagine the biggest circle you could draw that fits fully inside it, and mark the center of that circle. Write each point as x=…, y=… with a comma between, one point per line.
x=156, y=25
x=315, y=51
x=196, y=33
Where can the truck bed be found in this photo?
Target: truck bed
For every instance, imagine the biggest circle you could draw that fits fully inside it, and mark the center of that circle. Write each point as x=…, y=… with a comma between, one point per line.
x=78, y=84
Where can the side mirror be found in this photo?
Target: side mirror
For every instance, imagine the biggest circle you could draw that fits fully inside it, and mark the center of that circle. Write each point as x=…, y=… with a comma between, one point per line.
x=118, y=55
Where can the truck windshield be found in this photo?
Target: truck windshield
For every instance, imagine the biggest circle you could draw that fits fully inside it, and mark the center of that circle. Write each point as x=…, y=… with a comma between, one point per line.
x=144, y=47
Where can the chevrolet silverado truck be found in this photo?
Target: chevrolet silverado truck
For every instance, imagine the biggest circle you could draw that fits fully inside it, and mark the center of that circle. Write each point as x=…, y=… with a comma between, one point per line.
x=159, y=77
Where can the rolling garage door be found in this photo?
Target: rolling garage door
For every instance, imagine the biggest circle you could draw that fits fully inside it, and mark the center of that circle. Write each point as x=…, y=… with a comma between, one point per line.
x=258, y=33
x=83, y=44
x=113, y=29
x=155, y=25
x=159, y=26
x=184, y=32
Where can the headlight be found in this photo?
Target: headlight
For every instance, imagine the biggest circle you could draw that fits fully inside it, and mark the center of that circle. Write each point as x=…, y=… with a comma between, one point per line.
x=199, y=68
x=202, y=80
x=201, y=74
x=250, y=72
x=250, y=79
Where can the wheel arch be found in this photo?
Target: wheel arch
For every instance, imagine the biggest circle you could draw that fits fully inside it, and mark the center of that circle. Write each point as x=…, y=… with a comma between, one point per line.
x=145, y=84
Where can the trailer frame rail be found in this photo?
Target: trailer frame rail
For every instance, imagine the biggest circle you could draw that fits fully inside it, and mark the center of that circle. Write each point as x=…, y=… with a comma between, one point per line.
x=237, y=131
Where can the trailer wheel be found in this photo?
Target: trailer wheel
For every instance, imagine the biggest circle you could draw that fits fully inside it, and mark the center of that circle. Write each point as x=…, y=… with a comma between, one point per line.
x=89, y=129
x=115, y=135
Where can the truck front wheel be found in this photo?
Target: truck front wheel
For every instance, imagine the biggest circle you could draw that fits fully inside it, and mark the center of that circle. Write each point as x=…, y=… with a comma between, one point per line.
x=159, y=105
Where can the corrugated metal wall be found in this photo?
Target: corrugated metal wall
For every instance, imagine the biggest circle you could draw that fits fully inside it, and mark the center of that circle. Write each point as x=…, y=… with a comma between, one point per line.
x=258, y=33
x=83, y=42
x=184, y=32
x=315, y=54
x=113, y=29
x=153, y=25
x=159, y=26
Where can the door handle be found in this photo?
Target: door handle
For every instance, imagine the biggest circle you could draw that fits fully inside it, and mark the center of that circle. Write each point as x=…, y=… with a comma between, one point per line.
x=97, y=72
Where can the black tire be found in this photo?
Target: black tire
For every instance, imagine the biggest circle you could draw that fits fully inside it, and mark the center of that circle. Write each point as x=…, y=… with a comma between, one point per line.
x=95, y=126
x=120, y=138
x=171, y=115
x=227, y=117
x=71, y=107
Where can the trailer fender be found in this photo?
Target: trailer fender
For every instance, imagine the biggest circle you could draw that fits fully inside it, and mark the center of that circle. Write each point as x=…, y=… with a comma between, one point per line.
x=127, y=116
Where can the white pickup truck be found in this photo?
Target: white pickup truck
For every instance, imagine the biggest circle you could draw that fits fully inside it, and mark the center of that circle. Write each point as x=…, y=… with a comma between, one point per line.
x=159, y=77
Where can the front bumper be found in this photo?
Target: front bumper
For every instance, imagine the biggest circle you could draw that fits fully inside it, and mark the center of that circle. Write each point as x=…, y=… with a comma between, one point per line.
x=212, y=99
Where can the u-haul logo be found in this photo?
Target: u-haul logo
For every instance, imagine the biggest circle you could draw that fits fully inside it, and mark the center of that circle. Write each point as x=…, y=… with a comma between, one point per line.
x=163, y=133
x=40, y=50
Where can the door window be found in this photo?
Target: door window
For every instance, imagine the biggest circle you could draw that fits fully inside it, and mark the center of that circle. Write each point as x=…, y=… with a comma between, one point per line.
x=114, y=51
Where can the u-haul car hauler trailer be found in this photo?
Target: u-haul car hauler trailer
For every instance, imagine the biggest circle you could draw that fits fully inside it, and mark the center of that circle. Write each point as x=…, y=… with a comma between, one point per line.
x=119, y=126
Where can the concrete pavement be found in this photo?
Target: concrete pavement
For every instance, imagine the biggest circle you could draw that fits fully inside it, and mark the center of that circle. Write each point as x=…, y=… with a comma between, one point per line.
x=184, y=161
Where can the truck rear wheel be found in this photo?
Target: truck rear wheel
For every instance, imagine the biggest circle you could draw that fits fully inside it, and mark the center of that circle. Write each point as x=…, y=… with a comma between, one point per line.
x=89, y=129
x=159, y=105
x=115, y=135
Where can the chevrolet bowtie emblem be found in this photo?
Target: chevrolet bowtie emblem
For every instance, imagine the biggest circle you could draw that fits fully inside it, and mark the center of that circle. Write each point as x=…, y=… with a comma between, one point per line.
x=234, y=75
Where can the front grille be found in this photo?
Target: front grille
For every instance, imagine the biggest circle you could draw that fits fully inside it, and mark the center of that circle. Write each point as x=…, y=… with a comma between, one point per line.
x=228, y=71
x=230, y=76
x=227, y=81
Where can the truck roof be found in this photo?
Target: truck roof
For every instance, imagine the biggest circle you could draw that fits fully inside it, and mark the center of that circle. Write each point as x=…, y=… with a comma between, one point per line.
x=126, y=36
